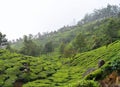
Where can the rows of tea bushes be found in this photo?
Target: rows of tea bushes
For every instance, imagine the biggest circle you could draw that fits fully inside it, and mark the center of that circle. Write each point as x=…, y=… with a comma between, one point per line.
x=52, y=71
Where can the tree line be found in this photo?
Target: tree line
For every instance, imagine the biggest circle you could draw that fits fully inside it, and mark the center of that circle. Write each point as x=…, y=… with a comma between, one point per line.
x=99, y=14
x=103, y=31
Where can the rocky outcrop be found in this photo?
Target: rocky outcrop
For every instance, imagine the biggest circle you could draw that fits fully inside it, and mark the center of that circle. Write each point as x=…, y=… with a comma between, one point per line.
x=112, y=80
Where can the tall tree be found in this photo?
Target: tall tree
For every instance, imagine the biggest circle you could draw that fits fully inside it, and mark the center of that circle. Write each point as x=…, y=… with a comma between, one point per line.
x=112, y=29
x=48, y=47
x=62, y=48
x=80, y=42
x=3, y=40
x=30, y=48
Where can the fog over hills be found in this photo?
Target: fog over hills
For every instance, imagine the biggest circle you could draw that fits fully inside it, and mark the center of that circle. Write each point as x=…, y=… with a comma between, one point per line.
x=22, y=17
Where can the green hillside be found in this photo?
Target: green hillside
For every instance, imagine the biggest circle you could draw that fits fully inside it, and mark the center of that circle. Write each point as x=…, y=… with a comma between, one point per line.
x=69, y=57
x=50, y=71
x=95, y=30
x=74, y=40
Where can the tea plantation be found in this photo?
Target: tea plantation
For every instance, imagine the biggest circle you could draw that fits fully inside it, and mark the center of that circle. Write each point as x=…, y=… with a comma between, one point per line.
x=52, y=71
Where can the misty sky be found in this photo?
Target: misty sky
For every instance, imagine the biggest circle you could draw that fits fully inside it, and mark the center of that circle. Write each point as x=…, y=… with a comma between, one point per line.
x=20, y=17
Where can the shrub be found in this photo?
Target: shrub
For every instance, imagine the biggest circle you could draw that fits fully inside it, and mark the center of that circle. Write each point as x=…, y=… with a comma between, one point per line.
x=96, y=75
x=87, y=83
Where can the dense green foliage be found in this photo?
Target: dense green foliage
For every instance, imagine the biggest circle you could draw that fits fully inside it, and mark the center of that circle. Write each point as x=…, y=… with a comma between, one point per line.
x=30, y=48
x=87, y=83
x=48, y=47
x=50, y=71
x=3, y=40
x=100, y=28
x=67, y=57
x=82, y=38
x=99, y=14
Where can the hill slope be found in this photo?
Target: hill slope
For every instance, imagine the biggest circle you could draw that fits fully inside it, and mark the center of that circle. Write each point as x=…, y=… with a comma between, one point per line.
x=80, y=48
x=50, y=71
x=100, y=27
x=77, y=38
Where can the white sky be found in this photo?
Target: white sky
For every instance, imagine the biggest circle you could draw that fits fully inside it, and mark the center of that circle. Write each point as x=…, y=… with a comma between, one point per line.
x=20, y=17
